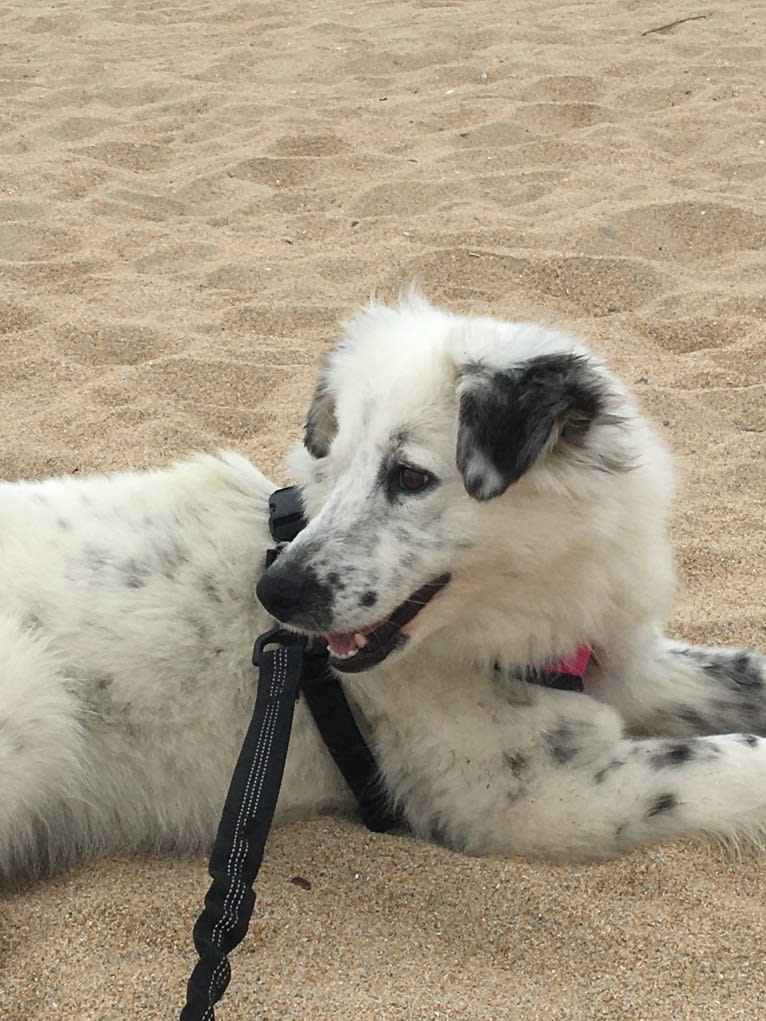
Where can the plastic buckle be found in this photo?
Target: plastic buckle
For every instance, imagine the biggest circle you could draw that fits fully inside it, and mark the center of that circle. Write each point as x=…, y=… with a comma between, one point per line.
x=312, y=644
x=274, y=636
x=286, y=518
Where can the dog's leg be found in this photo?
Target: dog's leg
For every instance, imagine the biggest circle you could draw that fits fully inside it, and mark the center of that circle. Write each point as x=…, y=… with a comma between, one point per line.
x=668, y=689
x=41, y=755
x=635, y=793
x=556, y=778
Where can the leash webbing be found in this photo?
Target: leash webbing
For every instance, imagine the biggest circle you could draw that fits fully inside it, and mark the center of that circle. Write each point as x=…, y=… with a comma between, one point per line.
x=343, y=739
x=297, y=664
x=244, y=826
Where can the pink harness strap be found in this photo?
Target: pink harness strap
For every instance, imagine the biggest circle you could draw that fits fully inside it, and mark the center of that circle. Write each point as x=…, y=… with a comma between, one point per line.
x=576, y=664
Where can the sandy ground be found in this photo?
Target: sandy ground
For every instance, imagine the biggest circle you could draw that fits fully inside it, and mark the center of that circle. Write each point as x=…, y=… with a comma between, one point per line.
x=191, y=196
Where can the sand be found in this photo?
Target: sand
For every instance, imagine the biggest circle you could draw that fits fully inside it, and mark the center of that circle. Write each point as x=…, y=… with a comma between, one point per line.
x=191, y=196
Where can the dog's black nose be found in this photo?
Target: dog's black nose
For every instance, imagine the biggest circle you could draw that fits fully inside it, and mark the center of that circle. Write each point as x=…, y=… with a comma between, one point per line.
x=295, y=595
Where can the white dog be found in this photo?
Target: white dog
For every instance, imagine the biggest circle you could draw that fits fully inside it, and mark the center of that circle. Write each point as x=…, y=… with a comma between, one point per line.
x=484, y=500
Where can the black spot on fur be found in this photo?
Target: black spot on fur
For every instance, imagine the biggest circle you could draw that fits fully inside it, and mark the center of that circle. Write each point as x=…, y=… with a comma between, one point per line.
x=749, y=739
x=508, y=419
x=199, y=627
x=321, y=424
x=738, y=669
x=675, y=754
x=97, y=559
x=211, y=590
x=565, y=742
x=136, y=573
x=517, y=764
x=334, y=579
x=369, y=598
x=171, y=559
x=63, y=524
x=662, y=803
x=607, y=770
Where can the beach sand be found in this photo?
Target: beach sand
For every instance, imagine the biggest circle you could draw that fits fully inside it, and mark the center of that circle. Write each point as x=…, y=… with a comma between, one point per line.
x=192, y=196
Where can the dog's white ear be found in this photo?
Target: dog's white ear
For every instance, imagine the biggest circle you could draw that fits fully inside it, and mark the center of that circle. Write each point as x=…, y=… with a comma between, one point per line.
x=510, y=418
x=321, y=425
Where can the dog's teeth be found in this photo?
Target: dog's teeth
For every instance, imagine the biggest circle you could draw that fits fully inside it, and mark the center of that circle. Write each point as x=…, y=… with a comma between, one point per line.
x=360, y=640
x=344, y=655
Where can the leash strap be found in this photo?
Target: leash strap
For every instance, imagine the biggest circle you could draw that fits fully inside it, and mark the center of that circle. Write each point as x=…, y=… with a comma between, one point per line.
x=245, y=821
x=343, y=739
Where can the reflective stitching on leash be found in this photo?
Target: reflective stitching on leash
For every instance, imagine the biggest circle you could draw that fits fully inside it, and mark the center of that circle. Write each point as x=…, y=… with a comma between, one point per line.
x=253, y=788
x=238, y=851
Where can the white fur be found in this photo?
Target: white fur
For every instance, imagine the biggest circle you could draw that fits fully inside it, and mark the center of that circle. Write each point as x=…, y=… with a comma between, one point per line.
x=128, y=612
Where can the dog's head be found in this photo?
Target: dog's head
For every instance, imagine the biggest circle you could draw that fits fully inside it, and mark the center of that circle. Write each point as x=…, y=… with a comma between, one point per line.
x=438, y=454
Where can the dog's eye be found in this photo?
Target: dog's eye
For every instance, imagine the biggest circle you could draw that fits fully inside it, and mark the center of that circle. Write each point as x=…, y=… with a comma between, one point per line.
x=412, y=480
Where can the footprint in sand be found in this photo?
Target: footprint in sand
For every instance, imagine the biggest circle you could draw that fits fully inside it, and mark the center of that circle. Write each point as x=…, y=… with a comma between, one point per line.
x=22, y=242
x=122, y=202
x=684, y=230
x=564, y=88
x=276, y=172
x=407, y=198
x=138, y=156
x=175, y=257
x=552, y=118
x=697, y=333
x=110, y=343
x=72, y=129
x=582, y=285
x=220, y=395
x=310, y=145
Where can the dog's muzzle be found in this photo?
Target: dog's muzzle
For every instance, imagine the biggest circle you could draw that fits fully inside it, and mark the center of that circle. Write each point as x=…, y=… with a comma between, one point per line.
x=296, y=597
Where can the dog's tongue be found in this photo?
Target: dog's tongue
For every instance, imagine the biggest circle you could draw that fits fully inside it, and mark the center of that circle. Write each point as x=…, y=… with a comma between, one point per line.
x=341, y=645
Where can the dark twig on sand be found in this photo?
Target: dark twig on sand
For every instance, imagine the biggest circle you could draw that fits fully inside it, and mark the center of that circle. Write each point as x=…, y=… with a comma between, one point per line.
x=672, y=24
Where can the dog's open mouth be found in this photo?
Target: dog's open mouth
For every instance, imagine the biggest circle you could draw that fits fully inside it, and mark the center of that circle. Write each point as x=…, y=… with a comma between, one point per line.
x=360, y=650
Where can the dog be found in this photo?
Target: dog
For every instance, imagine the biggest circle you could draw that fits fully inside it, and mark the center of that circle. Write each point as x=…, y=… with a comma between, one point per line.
x=485, y=501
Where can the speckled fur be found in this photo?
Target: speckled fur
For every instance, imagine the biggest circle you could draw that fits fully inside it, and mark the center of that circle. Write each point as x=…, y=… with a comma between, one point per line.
x=127, y=615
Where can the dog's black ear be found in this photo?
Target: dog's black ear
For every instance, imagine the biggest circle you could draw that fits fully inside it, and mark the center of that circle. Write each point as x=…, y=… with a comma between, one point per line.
x=321, y=425
x=509, y=418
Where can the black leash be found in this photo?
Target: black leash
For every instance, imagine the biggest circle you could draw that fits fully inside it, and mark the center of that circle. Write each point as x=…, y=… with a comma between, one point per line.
x=297, y=663
x=244, y=827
